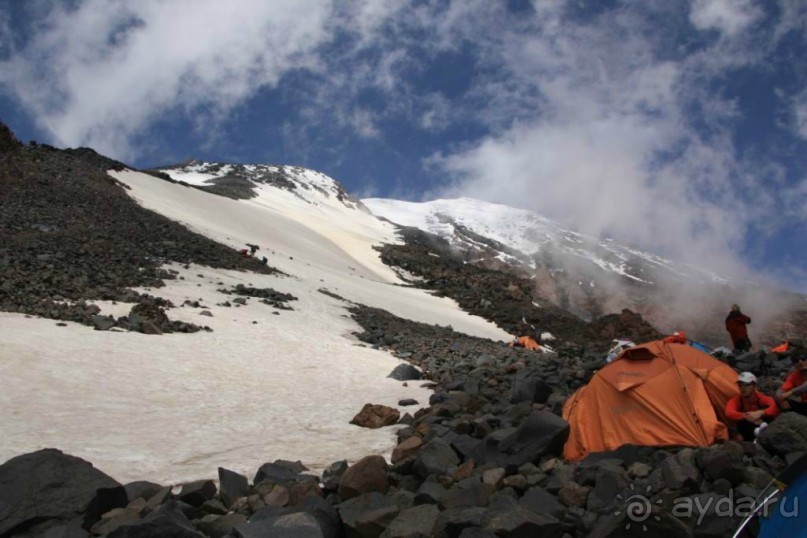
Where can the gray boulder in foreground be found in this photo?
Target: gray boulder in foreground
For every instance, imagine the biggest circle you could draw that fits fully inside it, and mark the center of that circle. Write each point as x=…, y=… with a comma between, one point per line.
x=50, y=488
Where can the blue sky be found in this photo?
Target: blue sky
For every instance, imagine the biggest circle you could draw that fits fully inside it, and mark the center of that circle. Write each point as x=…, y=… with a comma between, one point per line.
x=675, y=126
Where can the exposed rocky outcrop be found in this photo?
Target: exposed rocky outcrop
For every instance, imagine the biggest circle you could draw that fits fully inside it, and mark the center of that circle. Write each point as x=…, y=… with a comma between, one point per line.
x=69, y=233
x=505, y=299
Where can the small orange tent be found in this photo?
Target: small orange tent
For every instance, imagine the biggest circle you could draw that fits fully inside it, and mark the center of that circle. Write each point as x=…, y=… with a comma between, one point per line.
x=527, y=342
x=655, y=394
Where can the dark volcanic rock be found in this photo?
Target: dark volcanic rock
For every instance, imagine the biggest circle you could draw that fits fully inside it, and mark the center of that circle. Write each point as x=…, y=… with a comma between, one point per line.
x=69, y=230
x=367, y=475
x=49, y=487
x=405, y=372
x=504, y=298
x=8, y=142
x=786, y=434
x=232, y=486
x=168, y=520
x=542, y=433
x=626, y=324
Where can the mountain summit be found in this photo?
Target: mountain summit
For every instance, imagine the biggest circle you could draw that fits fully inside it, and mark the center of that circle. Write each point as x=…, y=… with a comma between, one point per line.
x=242, y=181
x=586, y=276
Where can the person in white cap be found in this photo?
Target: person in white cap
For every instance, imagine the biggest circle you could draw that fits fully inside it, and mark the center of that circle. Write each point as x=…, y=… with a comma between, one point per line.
x=750, y=409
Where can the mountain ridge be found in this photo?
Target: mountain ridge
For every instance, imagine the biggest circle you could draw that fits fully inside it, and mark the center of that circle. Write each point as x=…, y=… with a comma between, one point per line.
x=586, y=276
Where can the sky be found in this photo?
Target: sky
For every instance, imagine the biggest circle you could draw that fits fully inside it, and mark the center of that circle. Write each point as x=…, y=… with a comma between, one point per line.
x=265, y=384
x=676, y=126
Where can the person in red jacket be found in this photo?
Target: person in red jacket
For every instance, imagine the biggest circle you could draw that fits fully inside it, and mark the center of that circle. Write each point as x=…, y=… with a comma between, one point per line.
x=793, y=392
x=736, y=323
x=751, y=409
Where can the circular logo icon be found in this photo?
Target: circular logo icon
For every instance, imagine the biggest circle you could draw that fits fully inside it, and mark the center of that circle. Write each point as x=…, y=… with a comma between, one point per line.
x=637, y=507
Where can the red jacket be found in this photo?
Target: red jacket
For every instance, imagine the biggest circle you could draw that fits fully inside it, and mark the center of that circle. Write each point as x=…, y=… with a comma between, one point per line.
x=679, y=337
x=737, y=406
x=735, y=325
x=795, y=379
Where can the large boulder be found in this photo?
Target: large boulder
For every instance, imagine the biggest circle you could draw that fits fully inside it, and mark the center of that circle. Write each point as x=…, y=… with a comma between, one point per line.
x=141, y=489
x=279, y=472
x=312, y=518
x=528, y=386
x=196, y=493
x=367, y=475
x=723, y=461
x=405, y=372
x=376, y=416
x=542, y=502
x=49, y=488
x=406, y=449
x=785, y=435
x=680, y=471
x=368, y=514
x=168, y=520
x=435, y=457
x=610, y=482
x=541, y=433
x=414, y=522
x=232, y=486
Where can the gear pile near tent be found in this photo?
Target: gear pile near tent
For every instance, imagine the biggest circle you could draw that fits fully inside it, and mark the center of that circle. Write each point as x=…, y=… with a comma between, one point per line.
x=654, y=394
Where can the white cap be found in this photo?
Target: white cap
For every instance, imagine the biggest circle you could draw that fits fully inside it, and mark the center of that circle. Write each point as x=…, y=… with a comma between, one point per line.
x=747, y=377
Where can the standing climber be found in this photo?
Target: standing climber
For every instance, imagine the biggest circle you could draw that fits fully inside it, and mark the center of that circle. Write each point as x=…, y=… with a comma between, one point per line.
x=736, y=323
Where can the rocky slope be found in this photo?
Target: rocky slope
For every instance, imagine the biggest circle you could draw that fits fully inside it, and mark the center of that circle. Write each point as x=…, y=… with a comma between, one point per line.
x=69, y=233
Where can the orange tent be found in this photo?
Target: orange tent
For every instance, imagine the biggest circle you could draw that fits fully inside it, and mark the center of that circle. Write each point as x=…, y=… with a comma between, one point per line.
x=655, y=394
x=526, y=342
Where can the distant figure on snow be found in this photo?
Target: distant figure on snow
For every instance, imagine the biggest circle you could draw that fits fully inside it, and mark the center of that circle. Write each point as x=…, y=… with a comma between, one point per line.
x=252, y=249
x=751, y=409
x=736, y=323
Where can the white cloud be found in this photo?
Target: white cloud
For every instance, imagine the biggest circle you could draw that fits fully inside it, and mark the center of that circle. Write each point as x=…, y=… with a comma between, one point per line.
x=800, y=114
x=796, y=200
x=793, y=18
x=363, y=123
x=597, y=111
x=605, y=138
x=102, y=73
x=728, y=16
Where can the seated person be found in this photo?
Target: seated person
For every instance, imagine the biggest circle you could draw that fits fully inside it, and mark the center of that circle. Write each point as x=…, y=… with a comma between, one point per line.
x=792, y=394
x=751, y=408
